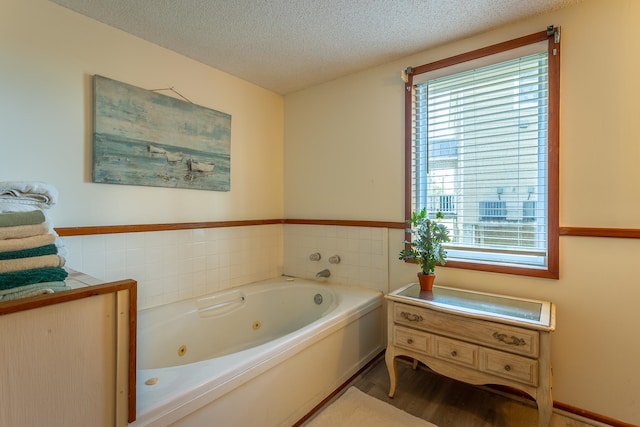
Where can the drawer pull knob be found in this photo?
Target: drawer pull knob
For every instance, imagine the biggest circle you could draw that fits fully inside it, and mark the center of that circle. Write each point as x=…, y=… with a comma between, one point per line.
x=454, y=353
x=507, y=368
x=510, y=340
x=410, y=341
x=411, y=317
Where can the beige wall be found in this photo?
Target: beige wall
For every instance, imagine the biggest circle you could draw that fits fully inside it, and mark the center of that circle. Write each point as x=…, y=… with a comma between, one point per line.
x=47, y=57
x=344, y=159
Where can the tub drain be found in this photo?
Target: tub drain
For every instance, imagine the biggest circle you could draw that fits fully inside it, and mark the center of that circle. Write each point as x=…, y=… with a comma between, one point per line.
x=182, y=350
x=256, y=325
x=318, y=299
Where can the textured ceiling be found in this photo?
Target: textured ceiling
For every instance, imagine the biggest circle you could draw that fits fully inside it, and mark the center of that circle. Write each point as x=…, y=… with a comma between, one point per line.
x=287, y=45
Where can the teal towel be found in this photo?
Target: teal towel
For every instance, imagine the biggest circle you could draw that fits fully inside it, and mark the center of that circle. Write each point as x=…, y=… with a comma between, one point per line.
x=26, y=253
x=27, y=277
x=11, y=219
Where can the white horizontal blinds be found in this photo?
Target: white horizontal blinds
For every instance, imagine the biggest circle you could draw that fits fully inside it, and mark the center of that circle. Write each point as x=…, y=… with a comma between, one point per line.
x=480, y=158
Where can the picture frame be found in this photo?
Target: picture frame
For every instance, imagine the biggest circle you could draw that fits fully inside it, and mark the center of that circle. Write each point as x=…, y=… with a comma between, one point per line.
x=144, y=138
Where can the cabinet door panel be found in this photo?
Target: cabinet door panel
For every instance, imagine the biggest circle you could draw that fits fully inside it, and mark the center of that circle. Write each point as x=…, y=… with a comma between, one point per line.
x=58, y=364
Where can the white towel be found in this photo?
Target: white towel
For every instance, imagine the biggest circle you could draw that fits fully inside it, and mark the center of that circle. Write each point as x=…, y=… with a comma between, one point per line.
x=23, y=196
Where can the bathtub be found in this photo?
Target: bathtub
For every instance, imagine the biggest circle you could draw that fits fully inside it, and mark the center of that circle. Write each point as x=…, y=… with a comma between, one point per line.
x=262, y=354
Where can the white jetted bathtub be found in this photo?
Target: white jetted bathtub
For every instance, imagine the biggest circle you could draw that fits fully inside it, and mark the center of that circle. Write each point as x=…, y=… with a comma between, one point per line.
x=262, y=354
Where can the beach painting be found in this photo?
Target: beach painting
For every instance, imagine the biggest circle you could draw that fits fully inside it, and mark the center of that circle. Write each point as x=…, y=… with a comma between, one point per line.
x=143, y=137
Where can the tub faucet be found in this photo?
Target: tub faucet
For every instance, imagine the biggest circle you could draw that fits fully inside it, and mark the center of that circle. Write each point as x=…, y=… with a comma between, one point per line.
x=324, y=273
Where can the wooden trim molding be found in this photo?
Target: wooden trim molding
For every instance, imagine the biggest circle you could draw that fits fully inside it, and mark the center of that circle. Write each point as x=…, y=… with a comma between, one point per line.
x=114, y=229
x=133, y=350
x=518, y=394
x=624, y=233
x=591, y=415
x=583, y=413
x=13, y=306
x=348, y=223
x=344, y=385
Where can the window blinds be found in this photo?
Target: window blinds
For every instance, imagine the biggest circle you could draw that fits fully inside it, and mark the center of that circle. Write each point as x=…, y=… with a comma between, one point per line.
x=479, y=156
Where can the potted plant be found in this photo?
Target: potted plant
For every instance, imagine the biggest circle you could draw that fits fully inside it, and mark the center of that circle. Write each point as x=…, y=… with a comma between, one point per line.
x=425, y=246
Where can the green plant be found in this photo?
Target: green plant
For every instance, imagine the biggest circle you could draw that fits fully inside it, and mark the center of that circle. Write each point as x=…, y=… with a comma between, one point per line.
x=425, y=246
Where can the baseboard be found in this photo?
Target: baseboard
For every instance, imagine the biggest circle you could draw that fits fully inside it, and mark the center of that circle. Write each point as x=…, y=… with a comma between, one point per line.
x=339, y=389
x=576, y=413
x=579, y=414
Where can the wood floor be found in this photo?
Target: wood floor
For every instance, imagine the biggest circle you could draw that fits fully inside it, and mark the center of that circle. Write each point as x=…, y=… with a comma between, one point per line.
x=449, y=403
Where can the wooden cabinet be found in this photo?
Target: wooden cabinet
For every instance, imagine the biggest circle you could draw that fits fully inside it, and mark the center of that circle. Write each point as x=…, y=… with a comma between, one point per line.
x=474, y=337
x=68, y=358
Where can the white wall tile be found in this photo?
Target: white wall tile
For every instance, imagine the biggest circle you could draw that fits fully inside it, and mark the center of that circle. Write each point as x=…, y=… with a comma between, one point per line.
x=174, y=265
x=363, y=252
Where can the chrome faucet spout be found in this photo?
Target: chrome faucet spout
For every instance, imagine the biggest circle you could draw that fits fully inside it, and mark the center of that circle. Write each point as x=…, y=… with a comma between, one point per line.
x=324, y=273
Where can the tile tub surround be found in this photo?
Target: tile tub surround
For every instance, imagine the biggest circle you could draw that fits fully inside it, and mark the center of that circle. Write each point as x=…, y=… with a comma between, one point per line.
x=178, y=264
x=174, y=265
x=363, y=253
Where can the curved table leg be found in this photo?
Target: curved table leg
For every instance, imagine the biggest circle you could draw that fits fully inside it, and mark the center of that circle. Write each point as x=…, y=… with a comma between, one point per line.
x=545, y=409
x=544, y=395
x=544, y=400
x=390, y=361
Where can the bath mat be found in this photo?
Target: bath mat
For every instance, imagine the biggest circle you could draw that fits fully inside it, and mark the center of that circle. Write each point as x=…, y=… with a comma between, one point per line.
x=357, y=409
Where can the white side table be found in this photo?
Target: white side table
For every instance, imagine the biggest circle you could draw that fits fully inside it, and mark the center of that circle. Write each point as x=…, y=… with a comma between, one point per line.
x=475, y=337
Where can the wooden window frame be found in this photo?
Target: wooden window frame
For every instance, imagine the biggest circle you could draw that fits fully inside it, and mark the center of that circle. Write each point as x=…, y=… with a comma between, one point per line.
x=552, y=36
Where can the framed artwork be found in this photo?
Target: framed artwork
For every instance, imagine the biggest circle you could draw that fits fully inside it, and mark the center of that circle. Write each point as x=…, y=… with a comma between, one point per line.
x=142, y=137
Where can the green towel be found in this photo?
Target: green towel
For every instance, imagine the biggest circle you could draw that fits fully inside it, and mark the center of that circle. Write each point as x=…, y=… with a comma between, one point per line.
x=26, y=253
x=27, y=277
x=11, y=219
x=33, y=290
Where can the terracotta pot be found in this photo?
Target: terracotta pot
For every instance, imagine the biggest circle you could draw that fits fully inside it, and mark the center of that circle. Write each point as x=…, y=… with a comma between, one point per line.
x=426, y=281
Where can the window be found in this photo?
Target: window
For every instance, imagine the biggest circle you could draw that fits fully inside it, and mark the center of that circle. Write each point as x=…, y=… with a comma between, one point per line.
x=481, y=139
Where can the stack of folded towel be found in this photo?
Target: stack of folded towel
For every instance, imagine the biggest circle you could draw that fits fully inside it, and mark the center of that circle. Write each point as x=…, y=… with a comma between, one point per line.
x=30, y=258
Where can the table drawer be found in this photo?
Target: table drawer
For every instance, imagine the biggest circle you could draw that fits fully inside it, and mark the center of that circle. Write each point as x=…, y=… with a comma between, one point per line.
x=413, y=339
x=456, y=351
x=497, y=335
x=509, y=366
